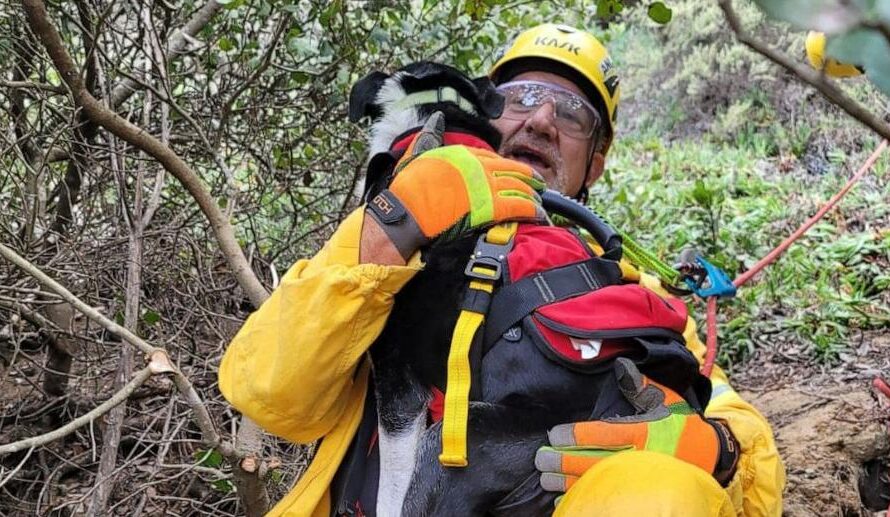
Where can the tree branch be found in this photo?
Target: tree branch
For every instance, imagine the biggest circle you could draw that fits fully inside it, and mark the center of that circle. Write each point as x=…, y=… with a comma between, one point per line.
x=43, y=439
x=49, y=37
x=33, y=86
x=814, y=78
x=175, y=46
x=66, y=295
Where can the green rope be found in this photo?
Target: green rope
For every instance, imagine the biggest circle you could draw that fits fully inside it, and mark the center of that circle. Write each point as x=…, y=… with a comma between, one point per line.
x=636, y=254
x=644, y=259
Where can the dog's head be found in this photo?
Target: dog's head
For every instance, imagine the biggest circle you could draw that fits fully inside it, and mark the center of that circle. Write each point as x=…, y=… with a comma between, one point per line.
x=403, y=101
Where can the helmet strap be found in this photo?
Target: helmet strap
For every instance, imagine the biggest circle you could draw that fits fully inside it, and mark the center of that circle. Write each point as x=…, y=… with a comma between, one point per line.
x=584, y=193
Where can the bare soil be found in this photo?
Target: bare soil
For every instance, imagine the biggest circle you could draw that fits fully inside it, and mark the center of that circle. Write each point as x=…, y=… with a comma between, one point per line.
x=831, y=426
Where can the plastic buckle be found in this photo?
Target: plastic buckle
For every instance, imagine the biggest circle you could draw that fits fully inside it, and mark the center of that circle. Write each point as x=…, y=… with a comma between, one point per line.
x=719, y=283
x=489, y=257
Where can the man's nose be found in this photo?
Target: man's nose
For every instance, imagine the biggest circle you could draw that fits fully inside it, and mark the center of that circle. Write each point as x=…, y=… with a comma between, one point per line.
x=543, y=121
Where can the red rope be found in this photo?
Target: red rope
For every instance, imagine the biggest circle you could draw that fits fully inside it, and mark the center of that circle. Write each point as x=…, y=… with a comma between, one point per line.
x=774, y=254
x=711, y=355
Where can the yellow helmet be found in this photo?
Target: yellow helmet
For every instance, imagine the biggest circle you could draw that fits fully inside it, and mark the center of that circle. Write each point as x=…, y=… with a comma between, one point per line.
x=816, y=54
x=578, y=50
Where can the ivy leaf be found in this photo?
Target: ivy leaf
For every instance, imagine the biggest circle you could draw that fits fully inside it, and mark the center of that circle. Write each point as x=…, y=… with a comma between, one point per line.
x=867, y=48
x=830, y=16
x=660, y=13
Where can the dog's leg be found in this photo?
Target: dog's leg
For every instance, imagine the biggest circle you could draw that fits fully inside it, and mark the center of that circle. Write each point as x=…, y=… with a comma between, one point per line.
x=500, y=463
x=401, y=406
x=398, y=452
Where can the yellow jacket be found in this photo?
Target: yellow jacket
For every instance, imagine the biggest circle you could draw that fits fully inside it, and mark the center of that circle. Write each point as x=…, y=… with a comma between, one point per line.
x=297, y=367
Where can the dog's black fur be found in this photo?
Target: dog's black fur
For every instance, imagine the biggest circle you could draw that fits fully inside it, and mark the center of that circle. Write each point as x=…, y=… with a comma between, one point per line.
x=520, y=394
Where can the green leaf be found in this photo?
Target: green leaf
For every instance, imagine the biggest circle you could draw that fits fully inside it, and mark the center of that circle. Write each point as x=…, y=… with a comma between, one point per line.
x=225, y=44
x=659, y=13
x=223, y=485
x=300, y=78
x=301, y=46
x=211, y=458
x=882, y=10
x=608, y=8
x=151, y=317
x=701, y=194
x=830, y=16
x=868, y=49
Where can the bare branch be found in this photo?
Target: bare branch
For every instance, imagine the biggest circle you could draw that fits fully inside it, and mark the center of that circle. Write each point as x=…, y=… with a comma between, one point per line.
x=175, y=46
x=34, y=86
x=43, y=439
x=814, y=78
x=66, y=295
x=40, y=24
x=18, y=467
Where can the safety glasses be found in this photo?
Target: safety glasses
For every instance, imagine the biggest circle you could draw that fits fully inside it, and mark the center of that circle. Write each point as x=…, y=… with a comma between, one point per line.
x=572, y=114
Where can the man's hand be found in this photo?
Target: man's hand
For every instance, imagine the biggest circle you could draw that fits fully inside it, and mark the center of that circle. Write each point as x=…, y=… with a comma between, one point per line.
x=666, y=424
x=449, y=191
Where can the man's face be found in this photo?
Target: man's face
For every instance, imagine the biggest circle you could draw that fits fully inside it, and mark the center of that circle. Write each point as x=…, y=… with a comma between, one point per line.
x=565, y=162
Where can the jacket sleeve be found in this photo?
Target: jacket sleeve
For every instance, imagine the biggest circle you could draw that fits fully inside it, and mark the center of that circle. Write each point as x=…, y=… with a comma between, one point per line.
x=291, y=365
x=756, y=489
x=760, y=476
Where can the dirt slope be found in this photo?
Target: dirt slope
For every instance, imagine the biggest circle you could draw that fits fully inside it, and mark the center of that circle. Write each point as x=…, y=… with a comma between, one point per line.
x=831, y=427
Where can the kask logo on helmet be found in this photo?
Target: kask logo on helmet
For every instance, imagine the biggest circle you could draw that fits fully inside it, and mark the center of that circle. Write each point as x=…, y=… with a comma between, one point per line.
x=556, y=43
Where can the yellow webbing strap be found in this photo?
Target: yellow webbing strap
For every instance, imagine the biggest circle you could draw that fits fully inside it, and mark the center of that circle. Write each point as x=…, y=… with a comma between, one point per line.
x=502, y=233
x=457, y=394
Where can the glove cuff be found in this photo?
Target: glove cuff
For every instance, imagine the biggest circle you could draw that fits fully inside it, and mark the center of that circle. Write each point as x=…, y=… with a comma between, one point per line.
x=397, y=223
x=728, y=459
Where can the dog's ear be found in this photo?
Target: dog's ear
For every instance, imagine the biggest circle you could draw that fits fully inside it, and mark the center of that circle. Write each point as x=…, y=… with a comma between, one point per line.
x=490, y=101
x=361, y=97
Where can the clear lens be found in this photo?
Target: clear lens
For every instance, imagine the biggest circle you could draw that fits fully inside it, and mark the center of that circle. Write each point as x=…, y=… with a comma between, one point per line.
x=572, y=115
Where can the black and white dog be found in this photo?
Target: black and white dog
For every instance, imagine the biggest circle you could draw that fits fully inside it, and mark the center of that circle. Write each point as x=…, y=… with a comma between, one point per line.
x=519, y=393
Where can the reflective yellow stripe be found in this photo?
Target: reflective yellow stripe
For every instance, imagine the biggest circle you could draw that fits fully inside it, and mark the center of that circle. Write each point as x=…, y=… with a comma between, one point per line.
x=475, y=181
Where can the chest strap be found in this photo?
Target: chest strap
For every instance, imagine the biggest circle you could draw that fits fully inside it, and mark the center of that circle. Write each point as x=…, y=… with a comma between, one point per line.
x=484, y=269
x=517, y=300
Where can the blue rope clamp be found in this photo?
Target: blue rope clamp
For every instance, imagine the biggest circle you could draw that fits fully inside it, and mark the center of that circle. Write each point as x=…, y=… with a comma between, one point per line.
x=718, y=282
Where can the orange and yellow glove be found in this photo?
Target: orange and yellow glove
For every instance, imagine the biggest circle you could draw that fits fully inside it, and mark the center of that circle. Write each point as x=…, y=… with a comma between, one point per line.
x=449, y=191
x=666, y=423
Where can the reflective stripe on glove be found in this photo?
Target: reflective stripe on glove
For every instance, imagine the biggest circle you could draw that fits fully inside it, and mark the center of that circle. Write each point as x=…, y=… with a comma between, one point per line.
x=451, y=190
x=666, y=423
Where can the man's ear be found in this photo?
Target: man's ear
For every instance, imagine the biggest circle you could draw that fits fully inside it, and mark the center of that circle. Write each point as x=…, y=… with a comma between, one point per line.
x=490, y=101
x=362, y=95
x=595, y=169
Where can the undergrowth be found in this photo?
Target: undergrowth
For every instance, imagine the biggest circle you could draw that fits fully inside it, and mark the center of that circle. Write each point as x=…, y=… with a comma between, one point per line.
x=734, y=204
x=720, y=150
